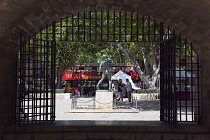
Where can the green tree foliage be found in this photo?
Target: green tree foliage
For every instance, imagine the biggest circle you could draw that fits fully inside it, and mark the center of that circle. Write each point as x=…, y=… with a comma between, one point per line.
x=123, y=36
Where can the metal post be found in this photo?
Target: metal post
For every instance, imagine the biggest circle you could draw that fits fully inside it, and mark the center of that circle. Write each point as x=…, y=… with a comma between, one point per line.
x=136, y=102
x=94, y=102
x=72, y=103
x=75, y=103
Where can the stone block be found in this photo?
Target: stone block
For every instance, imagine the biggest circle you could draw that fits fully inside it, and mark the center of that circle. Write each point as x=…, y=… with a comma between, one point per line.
x=63, y=96
x=99, y=136
x=123, y=136
x=75, y=136
x=104, y=99
x=47, y=136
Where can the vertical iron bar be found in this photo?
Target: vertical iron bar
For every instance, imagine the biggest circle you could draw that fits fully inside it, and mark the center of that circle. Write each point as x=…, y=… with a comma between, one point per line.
x=161, y=32
x=131, y=27
x=35, y=79
x=54, y=70
x=20, y=84
x=101, y=21
x=47, y=74
x=44, y=75
x=137, y=32
x=90, y=26
x=174, y=78
x=78, y=28
x=170, y=102
x=72, y=20
x=23, y=79
x=120, y=27
x=149, y=29
x=125, y=26
x=143, y=28
x=95, y=25
x=61, y=29
x=190, y=82
x=154, y=31
x=29, y=76
x=179, y=79
x=67, y=32
x=108, y=26
x=185, y=76
x=42, y=87
x=84, y=26
x=198, y=91
x=114, y=26
x=16, y=84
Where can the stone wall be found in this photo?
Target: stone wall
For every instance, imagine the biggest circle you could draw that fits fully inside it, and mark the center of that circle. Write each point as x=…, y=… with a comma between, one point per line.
x=205, y=88
x=8, y=131
x=97, y=132
x=7, y=87
x=28, y=16
x=189, y=17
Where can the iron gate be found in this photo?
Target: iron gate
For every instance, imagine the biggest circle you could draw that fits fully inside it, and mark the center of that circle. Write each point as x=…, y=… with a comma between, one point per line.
x=35, y=98
x=37, y=63
x=167, y=80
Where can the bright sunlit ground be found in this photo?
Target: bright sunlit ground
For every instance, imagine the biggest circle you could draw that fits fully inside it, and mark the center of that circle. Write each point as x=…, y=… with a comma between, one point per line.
x=147, y=110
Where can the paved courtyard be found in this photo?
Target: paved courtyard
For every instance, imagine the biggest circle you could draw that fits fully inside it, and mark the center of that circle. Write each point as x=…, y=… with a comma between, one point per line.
x=147, y=110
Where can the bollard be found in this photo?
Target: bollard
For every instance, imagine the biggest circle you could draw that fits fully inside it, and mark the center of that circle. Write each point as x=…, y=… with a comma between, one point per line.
x=75, y=106
x=94, y=102
x=72, y=103
x=115, y=102
x=136, y=102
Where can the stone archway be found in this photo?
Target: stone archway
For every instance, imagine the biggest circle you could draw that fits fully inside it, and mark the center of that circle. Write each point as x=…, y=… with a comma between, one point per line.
x=114, y=28
x=187, y=17
x=33, y=16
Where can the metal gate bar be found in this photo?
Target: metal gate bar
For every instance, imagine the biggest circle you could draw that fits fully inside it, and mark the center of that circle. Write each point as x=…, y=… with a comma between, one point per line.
x=167, y=79
x=35, y=98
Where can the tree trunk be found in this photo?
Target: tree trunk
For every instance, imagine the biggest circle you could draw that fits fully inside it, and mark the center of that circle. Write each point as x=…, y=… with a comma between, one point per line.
x=154, y=77
x=145, y=61
x=59, y=80
x=134, y=62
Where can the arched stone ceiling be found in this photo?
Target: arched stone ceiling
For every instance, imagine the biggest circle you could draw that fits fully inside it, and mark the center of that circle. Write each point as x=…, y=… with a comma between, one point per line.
x=191, y=18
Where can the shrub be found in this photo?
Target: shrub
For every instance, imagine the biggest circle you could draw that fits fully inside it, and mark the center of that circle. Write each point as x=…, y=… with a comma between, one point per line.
x=147, y=91
x=67, y=90
x=59, y=90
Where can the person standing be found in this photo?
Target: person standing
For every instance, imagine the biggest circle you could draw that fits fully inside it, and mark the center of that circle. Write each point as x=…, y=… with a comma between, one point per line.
x=116, y=88
x=113, y=89
x=129, y=89
x=141, y=85
x=120, y=88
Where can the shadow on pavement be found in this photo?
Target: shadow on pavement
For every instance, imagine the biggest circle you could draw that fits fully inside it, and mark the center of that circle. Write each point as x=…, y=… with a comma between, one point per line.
x=148, y=105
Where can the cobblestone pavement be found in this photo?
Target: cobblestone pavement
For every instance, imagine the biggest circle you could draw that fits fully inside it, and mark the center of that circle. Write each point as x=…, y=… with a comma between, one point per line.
x=148, y=110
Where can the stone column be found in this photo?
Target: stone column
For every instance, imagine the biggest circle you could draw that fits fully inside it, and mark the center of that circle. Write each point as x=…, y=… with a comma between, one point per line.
x=7, y=87
x=205, y=87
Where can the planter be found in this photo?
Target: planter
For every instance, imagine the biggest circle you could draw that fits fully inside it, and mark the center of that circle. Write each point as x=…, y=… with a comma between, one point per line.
x=145, y=96
x=63, y=95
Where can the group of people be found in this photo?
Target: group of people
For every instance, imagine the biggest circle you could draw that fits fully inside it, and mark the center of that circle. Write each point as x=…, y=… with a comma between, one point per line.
x=88, y=89
x=120, y=89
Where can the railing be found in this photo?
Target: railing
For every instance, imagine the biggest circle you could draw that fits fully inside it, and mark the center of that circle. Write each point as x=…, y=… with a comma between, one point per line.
x=91, y=103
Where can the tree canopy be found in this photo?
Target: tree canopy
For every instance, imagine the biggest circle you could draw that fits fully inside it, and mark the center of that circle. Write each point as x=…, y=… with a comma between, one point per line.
x=124, y=37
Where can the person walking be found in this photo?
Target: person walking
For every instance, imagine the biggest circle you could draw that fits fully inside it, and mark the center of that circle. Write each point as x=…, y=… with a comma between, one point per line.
x=129, y=89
